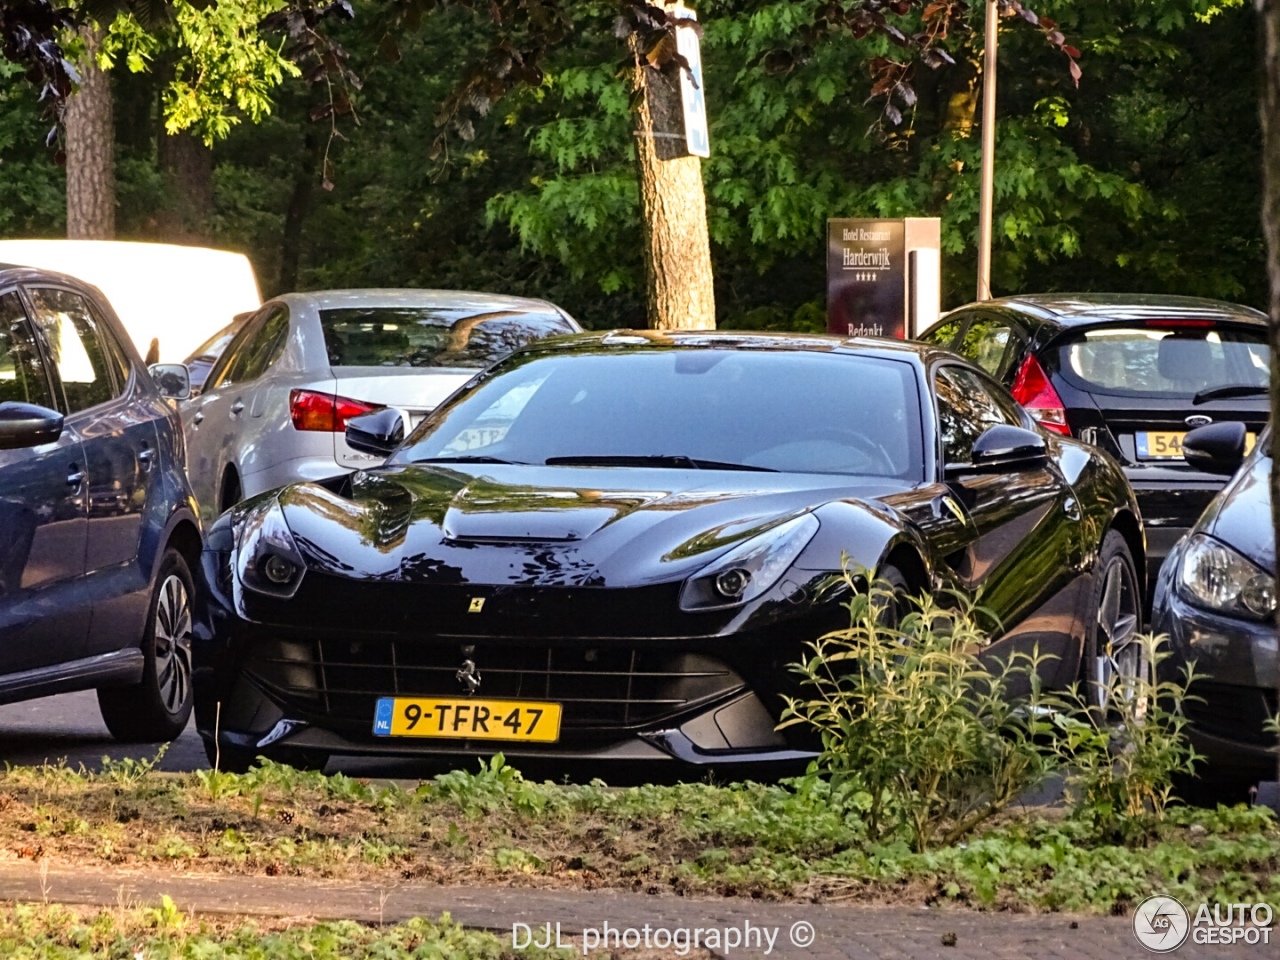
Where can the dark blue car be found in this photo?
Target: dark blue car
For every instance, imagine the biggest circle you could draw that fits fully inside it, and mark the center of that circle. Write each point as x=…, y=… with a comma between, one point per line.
x=98, y=528
x=1216, y=600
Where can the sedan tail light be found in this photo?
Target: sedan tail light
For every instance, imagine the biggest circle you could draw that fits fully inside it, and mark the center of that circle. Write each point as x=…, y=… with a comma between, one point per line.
x=1032, y=389
x=325, y=412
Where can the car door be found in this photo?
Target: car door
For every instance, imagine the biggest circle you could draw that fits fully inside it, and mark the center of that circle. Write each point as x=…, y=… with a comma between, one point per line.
x=44, y=606
x=114, y=415
x=1027, y=540
x=214, y=422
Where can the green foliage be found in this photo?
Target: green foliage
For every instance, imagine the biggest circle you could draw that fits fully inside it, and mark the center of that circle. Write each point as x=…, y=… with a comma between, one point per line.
x=928, y=735
x=1146, y=177
x=129, y=772
x=1123, y=758
x=936, y=738
x=60, y=933
x=497, y=785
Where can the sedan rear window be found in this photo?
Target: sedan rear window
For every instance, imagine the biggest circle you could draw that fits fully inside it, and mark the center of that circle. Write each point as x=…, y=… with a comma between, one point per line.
x=1157, y=361
x=431, y=336
x=750, y=409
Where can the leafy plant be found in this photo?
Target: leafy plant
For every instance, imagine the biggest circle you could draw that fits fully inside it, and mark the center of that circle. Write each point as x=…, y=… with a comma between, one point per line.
x=935, y=738
x=1122, y=758
x=496, y=785
x=129, y=772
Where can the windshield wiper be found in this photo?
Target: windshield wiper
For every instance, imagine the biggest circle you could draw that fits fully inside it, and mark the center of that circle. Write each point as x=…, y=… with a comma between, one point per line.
x=1229, y=391
x=464, y=458
x=672, y=461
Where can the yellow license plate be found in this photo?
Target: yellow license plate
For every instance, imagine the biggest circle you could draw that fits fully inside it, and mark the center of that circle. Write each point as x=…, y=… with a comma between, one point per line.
x=1168, y=446
x=467, y=719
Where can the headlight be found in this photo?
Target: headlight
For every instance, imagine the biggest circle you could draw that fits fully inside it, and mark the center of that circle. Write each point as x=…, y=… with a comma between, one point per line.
x=1215, y=576
x=267, y=560
x=750, y=568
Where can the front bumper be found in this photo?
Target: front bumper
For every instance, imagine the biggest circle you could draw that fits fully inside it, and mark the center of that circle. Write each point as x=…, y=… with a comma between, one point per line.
x=710, y=700
x=1171, y=504
x=1238, y=663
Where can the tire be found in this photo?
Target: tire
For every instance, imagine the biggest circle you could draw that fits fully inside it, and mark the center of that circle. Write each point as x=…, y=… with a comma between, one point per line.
x=157, y=709
x=232, y=492
x=1111, y=636
x=889, y=576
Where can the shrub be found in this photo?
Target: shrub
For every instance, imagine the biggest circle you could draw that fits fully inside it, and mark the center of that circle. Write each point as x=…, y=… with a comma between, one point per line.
x=1122, y=757
x=936, y=737
x=928, y=735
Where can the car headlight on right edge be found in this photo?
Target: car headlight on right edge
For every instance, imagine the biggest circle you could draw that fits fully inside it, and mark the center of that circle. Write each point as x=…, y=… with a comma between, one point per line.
x=267, y=560
x=1218, y=578
x=749, y=569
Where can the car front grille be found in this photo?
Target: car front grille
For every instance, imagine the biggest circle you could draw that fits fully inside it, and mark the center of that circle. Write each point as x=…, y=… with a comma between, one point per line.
x=600, y=687
x=1232, y=712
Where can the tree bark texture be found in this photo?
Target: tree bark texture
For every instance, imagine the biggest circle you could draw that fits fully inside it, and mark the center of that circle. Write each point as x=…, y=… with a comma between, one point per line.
x=306, y=173
x=1269, y=11
x=673, y=212
x=91, y=166
x=187, y=166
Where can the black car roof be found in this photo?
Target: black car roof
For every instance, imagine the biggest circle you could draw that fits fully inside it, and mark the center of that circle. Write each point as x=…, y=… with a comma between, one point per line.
x=745, y=340
x=17, y=271
x=1064, y=310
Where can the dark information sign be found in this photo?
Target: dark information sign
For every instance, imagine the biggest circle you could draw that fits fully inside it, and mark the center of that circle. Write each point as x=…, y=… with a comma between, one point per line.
x=867, y=278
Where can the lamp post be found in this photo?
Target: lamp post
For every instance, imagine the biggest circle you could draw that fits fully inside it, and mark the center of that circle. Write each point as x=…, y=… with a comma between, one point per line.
x=988, y=151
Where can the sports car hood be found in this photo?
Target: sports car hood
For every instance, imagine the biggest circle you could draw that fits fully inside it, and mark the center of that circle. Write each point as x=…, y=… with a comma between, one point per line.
x=544, y=526
x=1241, y=516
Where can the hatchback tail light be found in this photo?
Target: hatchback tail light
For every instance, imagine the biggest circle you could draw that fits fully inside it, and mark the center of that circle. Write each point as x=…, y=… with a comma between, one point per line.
x=325, y=412
x=1032, y=389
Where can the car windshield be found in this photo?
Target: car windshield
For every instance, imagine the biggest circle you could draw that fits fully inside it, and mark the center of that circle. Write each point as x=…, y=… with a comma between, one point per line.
x=1181, y=361
x=431, y=336
x=696, y=408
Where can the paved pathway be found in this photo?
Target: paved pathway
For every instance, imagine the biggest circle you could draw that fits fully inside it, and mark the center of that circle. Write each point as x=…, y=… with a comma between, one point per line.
x=839, y=931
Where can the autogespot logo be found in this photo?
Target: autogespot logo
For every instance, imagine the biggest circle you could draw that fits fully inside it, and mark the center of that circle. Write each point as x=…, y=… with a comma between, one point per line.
x=1161, y=924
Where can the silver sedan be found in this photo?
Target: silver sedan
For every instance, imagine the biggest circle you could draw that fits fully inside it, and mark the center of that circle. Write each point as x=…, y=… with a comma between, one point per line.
x=275, y=405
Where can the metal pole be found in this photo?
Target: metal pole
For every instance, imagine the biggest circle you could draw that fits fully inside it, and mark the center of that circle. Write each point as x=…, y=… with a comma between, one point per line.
x=988, y=153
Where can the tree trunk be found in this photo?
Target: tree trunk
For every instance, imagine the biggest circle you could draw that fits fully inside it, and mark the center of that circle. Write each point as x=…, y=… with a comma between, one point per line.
x=1269, y=10
x=673, y=212
x=304, y=186
x=187, y=166
x=91, y=165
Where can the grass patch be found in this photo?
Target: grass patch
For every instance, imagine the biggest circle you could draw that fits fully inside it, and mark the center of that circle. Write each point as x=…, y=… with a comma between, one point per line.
x=63, y=933
x=801, y=839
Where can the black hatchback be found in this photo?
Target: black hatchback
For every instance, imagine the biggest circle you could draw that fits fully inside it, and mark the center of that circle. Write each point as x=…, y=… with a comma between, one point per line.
x=1131, y=373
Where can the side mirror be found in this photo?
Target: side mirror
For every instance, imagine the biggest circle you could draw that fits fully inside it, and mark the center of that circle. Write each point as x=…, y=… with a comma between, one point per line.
x=1215, y=448
x=28, y=425
x=378, y=432
x=173, y=379
x=1006, y=447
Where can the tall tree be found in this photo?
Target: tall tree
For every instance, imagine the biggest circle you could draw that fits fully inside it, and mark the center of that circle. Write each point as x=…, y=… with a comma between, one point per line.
x=90, y=137
x=673, y=207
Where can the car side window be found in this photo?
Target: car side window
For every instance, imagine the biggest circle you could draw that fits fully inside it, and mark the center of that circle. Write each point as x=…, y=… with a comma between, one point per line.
x=263, y=350
x=967, y=406
x=117, y=357
x=22, y=374
x=72, y=339
x=989, y=343
x=221, y=374
x=944, y=333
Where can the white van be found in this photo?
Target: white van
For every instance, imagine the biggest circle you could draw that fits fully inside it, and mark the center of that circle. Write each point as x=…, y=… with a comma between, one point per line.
x=177, y=295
